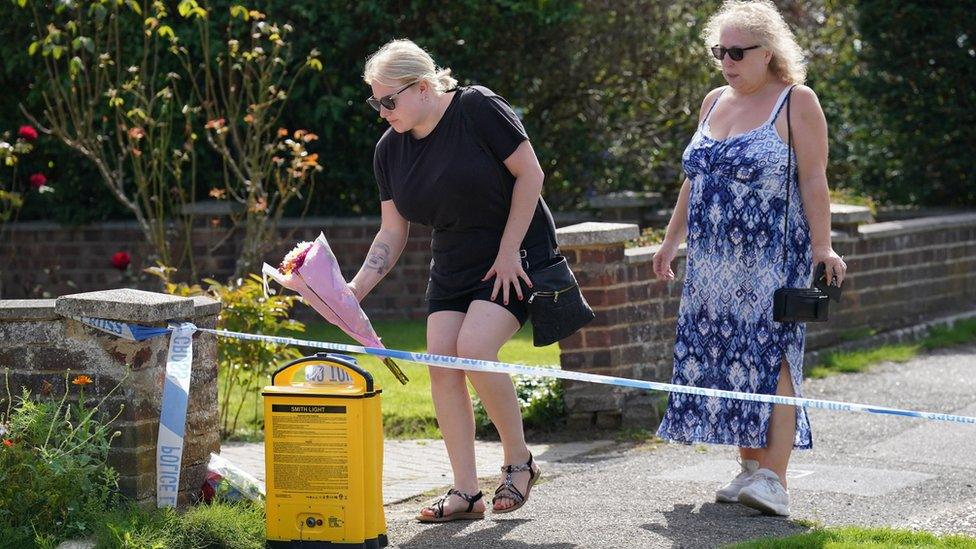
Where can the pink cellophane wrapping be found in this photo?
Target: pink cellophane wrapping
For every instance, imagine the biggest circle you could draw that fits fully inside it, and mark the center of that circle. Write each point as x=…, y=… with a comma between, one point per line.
x=320, y=283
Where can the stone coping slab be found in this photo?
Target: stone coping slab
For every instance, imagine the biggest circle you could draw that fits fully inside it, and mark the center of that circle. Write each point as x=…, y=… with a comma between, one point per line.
x=593, y=233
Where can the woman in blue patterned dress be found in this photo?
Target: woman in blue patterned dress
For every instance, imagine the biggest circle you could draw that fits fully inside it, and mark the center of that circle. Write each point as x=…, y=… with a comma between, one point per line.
x=732, y=208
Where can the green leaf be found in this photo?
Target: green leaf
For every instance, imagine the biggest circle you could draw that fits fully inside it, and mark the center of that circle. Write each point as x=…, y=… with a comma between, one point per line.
x=239, y=11
x=75, y=66
x=99, y=12
x=165, y=31
x=184, y=7
x=134, y=6
x=314, y=64
x=32, y=49
x=137, y=113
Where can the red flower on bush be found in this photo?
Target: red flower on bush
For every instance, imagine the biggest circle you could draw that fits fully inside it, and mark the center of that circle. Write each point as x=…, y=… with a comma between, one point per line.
x=38, y=180
x=8, y=443
x=121, y=260
x=27, y=132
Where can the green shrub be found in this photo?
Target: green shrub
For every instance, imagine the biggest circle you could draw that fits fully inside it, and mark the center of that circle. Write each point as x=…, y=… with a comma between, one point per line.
x=132, y=527
x=920, y=78
x=230, y=526
x=54, y=478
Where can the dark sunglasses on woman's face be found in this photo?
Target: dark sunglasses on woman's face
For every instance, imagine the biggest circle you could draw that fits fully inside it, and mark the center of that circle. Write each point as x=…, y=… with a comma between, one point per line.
x=387, y=101
x=735, y=52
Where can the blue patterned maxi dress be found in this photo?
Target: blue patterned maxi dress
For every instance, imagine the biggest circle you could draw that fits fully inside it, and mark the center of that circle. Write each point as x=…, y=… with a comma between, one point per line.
x=726, y=336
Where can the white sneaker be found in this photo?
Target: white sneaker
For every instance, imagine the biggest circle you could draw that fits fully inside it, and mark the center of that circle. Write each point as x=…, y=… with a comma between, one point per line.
x=766, y=493
x=730, y=492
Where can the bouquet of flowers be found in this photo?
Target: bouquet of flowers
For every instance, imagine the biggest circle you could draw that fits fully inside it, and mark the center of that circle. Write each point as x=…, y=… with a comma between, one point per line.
x=312, y=271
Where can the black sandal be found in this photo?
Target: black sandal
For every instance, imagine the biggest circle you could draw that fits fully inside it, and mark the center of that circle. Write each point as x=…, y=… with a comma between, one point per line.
x=508, y=490
x=438, y=507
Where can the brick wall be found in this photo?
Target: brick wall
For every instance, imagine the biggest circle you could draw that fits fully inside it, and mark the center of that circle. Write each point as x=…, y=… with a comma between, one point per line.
x=900, y=274
x=40, y=259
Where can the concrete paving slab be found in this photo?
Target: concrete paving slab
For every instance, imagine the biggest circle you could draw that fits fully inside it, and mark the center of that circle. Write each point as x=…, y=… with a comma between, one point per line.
x=816, y=477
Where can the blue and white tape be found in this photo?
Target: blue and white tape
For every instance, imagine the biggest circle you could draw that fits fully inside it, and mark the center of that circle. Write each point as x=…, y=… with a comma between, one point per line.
x=132, y=332
x=456, y=363
x=178, y=377
x=172, y=418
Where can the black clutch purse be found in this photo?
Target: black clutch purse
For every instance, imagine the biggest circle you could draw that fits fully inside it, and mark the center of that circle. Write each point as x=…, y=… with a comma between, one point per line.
x=556, y=304
x=799, y=304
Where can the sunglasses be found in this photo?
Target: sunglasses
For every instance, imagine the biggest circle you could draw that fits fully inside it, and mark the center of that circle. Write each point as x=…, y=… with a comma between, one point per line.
x=735, y=52
x=387, y=101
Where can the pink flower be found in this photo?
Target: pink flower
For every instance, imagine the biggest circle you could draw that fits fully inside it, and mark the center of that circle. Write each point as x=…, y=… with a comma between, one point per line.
x=38, y=180
x=121, y=260
x=27, y=132
x=295, y=258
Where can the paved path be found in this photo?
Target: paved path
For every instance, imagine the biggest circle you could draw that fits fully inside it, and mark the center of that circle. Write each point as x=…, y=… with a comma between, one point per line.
x=414, y=467
x=864, y=470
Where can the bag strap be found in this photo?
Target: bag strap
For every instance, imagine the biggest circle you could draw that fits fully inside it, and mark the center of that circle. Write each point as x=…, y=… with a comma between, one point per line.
x=789, y=175
x=550, y=222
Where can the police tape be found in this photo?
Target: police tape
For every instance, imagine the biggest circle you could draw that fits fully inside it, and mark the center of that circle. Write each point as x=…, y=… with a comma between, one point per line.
x=457, y=363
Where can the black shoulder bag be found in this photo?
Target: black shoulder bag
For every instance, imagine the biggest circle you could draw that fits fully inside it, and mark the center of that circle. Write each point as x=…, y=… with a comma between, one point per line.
x=556, y=304
x=797, y=304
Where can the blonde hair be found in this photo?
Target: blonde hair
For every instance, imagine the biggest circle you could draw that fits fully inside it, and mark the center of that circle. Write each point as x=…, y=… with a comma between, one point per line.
x=761, y=19
x=402, y=61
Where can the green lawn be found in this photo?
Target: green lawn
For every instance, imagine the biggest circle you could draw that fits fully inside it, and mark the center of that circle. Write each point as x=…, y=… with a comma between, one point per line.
x=851, y=537
x=859, y=361
x=407, y=409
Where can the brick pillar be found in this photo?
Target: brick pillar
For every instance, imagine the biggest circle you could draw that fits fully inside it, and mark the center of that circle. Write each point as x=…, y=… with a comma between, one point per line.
x=37, y=344
x=605, y=346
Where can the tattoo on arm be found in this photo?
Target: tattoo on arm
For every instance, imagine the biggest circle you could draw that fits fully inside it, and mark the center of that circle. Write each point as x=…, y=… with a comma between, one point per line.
x=378, y=257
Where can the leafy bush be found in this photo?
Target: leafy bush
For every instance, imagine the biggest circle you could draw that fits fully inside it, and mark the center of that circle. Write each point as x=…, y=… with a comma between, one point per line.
x=920, y=79
x=610, y=91
x=540, y=399
x=54, y=478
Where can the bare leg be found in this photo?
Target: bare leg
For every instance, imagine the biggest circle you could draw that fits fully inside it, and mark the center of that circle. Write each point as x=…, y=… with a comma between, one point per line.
x=782, y=430
x=486, y=328
x=452, y=405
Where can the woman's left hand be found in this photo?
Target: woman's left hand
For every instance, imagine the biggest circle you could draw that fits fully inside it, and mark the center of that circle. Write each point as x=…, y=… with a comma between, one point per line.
x=507, y=270
x=835, y=266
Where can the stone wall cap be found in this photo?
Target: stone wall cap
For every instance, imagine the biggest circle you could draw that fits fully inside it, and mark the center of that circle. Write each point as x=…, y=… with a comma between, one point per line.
x=594, y=233
x=894, y=228
x=642, y=254
x=625, y=199
x=205, y=306
x=27, y=309
x=126, y=304
x=849, y=214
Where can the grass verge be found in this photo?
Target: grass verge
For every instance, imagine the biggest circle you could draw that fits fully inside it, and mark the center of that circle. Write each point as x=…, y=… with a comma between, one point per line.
x=847, y=362
x=853, y=536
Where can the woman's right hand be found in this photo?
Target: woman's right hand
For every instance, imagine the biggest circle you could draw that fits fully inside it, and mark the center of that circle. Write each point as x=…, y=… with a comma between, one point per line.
x=663, y=258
